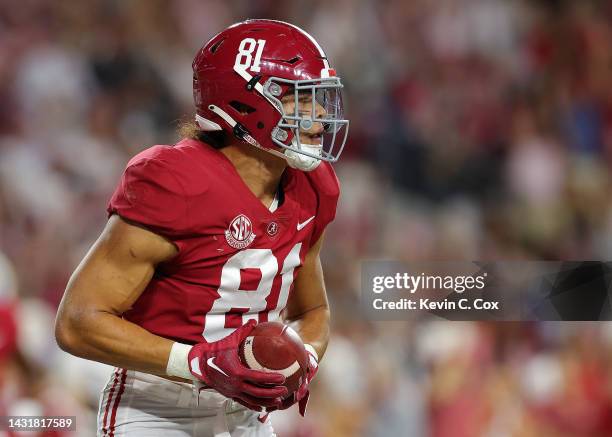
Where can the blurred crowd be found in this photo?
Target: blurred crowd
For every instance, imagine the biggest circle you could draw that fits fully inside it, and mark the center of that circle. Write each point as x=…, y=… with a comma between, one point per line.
x=480, y=130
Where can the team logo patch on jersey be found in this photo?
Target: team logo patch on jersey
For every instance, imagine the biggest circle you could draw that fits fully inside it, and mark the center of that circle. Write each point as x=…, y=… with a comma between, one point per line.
x=240, y=232
x=272, y=229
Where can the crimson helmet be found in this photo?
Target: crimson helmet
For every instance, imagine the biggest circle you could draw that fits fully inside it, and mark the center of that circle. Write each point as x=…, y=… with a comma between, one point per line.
x=241, y=75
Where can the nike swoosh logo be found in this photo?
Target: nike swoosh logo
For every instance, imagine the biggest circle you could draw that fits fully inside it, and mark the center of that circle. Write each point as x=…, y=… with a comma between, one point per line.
x=211, y=363
x=301, y=226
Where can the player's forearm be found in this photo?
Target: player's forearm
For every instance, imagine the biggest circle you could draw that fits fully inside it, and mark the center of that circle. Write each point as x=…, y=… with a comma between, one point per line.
x=105, y=337
x=313, y=328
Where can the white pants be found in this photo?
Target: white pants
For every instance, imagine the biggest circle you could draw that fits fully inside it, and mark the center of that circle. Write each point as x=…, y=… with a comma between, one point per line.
x=137, y=404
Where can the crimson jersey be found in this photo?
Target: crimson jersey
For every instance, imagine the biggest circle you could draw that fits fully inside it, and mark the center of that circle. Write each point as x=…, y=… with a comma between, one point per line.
x=237, y=260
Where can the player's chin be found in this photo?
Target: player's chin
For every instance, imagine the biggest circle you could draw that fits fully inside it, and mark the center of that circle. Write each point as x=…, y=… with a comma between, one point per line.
x=311, y=140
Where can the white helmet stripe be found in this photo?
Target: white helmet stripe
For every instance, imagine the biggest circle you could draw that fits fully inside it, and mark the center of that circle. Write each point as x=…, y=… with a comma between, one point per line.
x=246, y=76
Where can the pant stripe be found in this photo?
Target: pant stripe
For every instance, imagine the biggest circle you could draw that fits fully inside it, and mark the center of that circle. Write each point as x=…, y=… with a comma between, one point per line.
x=108, y=401
x=117, y=400
x=135, y=404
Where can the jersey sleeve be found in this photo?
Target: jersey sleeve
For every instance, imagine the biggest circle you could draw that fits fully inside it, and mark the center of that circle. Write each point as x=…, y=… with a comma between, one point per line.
x=150, y=193
x=327, y=187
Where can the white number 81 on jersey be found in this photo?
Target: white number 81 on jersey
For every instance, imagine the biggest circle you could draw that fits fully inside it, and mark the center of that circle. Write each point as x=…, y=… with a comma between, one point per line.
x=247, y=304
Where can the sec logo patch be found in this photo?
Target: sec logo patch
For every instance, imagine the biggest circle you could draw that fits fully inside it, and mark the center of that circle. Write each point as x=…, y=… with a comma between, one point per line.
x=240, y=232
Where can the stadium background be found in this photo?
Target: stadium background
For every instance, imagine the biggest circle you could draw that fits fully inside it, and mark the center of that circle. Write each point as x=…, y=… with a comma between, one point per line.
x=480, y=129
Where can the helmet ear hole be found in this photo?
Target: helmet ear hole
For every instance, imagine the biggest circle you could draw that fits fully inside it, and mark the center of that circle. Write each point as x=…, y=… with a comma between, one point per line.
x=241, y=108
x=260, y=125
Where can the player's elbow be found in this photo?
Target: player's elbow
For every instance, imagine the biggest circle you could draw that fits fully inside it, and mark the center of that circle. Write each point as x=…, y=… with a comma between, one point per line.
x=68, y=333
x=64, y=335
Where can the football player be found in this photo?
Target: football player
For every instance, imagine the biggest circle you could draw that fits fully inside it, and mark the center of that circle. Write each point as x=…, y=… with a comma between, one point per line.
x=208, y=237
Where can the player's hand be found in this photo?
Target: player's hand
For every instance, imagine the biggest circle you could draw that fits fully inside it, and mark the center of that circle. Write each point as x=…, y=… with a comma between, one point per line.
x=218, y=365
x=303, y=393
x=300, y=396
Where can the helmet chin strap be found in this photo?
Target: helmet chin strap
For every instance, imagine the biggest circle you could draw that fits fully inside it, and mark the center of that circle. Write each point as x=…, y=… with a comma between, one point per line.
x=293, y=158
